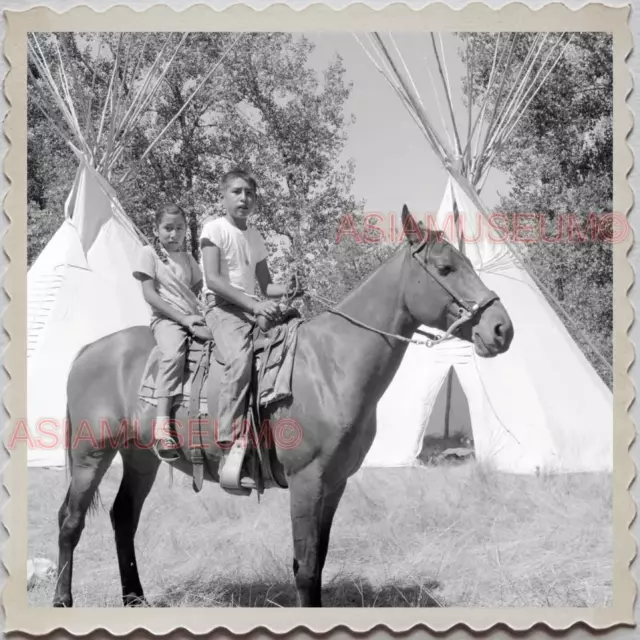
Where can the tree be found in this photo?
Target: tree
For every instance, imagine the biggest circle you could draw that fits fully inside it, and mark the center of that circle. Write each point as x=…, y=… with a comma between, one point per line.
x=264, y=109
x=559, y=159
x=50, y=170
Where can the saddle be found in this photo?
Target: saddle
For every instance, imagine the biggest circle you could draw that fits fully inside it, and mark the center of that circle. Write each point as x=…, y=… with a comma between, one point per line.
x=273, y=357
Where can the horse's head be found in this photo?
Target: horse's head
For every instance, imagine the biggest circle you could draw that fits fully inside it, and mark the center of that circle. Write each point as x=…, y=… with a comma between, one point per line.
x=442, y=287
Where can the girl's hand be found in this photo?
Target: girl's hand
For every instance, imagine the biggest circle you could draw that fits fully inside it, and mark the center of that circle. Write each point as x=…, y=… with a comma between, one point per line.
x=191, y=322
x=201, y=333
x=198, y=328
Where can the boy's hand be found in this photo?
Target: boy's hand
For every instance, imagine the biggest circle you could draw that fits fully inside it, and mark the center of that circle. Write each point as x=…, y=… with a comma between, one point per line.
x=294, y=288
x=267, y=308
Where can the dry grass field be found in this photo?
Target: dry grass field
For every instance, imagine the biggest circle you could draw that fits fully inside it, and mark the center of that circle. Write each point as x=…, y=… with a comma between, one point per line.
x=447, y=536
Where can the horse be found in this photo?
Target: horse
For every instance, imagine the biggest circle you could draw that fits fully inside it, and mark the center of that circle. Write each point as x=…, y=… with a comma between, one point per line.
x=345, y=359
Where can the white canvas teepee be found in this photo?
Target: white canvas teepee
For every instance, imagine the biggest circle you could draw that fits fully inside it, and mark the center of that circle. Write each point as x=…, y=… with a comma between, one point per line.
x=79, y=289
x=538, y=407
x=541, y=407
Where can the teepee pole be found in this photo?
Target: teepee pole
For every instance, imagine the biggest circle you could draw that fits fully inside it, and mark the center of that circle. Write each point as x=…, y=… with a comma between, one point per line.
x=89, y=130
x=143, y=97
x=496, y=108
x=439, y=106
x=407, y=103
x=496, y=121
x=465, y=154
x=114, y=102
x=42, y=66
x=406, y=69
x=134, y=117
x=502, y=85
x=432, y=135
x=122, y=93
x=139, y=59
x=523, y=111
x=104, y=109
x=519, y=98
x=184, y=106
x=78, y=84
x=506, y=128
x=448, y=96
x=133, y=107
x=417, y=94
x=516, y=83
x=533, y=54
x=61, y=133
x=483, y=109
x=122, y=126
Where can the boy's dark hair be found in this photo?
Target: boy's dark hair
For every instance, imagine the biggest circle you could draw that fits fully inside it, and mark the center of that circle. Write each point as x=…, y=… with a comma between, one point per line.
x=168, y=208
x=238, y=172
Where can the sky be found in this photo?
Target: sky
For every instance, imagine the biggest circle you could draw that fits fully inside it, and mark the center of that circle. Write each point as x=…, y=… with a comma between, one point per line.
x=394, y=163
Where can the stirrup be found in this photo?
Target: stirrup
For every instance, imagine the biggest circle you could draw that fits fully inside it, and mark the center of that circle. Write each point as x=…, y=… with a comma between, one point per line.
x=166, y=449
x=230, y=475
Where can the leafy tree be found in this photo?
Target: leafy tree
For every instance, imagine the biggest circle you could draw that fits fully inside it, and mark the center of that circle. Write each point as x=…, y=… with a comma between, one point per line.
x=559, y=160
x=264, y=109
x=50, y=169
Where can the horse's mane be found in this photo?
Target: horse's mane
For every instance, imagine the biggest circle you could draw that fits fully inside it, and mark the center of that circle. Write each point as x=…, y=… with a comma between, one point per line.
x=431, y=235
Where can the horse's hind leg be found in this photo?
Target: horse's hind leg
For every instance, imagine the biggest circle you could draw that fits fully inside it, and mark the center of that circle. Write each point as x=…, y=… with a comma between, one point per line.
x=85, y=480
x=140, y=468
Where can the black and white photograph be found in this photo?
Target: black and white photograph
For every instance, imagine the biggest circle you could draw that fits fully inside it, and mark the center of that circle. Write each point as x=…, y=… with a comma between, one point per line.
x=320, y=318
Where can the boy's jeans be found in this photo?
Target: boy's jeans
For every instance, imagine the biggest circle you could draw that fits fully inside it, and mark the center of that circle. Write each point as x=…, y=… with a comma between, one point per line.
x=232, y=331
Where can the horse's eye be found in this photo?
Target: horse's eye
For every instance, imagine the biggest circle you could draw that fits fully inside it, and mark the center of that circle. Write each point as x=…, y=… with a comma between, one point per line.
x=444, y=269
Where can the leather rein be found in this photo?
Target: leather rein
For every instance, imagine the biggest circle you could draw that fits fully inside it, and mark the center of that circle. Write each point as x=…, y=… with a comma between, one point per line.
x=467, y=312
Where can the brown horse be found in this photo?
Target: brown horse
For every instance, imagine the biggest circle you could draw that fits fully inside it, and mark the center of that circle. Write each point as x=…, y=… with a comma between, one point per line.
x=345, y=360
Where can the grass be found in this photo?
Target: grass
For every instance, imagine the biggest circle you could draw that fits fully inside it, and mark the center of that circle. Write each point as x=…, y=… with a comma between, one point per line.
x=447, y=536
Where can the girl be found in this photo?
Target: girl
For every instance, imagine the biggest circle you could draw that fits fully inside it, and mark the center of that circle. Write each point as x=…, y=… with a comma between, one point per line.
x=170, y=285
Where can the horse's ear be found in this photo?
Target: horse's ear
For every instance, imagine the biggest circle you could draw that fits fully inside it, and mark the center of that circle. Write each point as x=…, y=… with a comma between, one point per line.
x=413, y=231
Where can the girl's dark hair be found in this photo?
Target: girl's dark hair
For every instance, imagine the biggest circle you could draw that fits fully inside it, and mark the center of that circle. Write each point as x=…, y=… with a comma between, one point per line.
x=169, y=208
x=161, y=211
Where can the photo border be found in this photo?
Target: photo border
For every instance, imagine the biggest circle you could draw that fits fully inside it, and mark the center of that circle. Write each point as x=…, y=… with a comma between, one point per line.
x=280, y=17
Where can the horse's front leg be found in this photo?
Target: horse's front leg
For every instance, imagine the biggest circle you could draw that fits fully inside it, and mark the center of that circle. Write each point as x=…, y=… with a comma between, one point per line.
x=313, y=505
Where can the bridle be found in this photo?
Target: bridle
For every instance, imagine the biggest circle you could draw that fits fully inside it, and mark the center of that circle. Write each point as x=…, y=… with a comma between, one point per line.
x=467, y=310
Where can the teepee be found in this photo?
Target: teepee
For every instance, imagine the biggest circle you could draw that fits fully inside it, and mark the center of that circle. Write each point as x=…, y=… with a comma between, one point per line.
x=80, y=287
x=540, y=407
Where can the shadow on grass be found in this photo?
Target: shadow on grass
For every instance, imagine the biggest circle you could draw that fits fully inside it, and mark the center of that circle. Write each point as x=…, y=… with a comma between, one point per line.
x=339, y=592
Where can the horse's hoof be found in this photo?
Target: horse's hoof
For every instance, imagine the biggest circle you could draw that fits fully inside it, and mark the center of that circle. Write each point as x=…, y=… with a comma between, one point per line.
x=134, y=600
x=62, y=603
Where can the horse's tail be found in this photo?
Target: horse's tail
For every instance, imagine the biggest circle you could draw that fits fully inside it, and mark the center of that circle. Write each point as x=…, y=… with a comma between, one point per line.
x=96, y=501
x=67, y=446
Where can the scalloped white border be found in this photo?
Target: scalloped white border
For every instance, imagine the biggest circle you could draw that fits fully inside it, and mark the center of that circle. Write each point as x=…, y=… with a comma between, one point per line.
x=154, y=620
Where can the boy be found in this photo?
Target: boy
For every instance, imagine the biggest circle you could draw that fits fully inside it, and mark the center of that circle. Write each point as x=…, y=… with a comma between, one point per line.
x=233, y=258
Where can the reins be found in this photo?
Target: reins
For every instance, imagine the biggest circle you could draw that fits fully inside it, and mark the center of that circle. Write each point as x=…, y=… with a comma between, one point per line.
x=430, y=342
x=467, y=311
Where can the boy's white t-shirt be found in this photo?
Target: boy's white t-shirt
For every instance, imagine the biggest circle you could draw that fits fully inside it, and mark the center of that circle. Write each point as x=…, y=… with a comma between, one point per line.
x=240, y=252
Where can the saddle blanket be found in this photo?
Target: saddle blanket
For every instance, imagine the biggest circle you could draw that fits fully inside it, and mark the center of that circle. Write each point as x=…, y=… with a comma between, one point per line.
x=273, y=364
